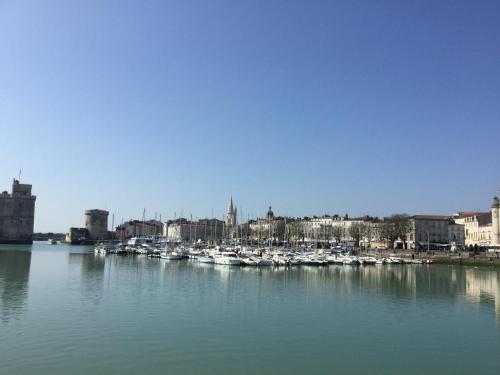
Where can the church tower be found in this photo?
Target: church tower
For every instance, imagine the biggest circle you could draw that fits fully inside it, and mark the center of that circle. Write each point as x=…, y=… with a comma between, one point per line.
x=231, y=214
x=495, y=221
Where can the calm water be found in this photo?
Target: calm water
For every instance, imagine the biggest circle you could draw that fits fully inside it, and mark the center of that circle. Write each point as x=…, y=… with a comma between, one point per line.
x=65, y=310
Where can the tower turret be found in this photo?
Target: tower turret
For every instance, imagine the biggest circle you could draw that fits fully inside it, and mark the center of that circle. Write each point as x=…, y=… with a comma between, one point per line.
x=270, y=213
x=495, y=221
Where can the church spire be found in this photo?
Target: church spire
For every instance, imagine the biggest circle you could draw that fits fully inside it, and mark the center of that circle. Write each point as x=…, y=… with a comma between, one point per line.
x=231, y=214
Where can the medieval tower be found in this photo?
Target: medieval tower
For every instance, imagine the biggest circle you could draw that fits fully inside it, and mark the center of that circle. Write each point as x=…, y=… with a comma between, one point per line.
x=17, y=214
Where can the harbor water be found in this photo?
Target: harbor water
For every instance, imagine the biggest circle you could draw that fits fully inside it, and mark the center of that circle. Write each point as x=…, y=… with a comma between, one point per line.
x=66, y=310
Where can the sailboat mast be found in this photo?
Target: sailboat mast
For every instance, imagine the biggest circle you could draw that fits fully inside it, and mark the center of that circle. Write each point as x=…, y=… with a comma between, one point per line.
x=112, y=226
x=143, y=219
x=270, y=238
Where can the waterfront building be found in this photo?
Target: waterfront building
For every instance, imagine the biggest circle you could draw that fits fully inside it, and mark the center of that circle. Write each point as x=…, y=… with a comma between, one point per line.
x=435, y=232
x=478, y=227
x=17, y=214
x=270, y=227
x=327, y=229
x=138, y=228
x=211, y=230
x=481, y=228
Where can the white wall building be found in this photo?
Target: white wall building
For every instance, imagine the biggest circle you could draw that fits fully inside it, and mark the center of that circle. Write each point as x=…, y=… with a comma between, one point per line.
x=481, y=228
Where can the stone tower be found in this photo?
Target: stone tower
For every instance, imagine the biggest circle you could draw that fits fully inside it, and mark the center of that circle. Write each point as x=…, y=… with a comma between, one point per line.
x=17, y=214
x=96, y=223
x=231, y=214
x=495, y=221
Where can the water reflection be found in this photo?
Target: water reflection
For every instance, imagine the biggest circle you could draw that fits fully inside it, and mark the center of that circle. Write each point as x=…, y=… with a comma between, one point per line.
x=14, y=277
x=483, y=286
x=92, y=276
x=406, y=283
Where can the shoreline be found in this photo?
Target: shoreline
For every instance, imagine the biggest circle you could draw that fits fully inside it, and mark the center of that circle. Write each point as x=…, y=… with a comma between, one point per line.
x=476, y=262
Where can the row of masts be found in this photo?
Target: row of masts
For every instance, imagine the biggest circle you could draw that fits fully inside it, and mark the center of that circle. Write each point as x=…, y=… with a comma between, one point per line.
x=213, y=228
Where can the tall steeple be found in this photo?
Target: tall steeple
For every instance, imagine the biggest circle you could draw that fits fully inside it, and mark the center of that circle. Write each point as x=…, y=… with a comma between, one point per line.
x=230, y=208
x=231, y=213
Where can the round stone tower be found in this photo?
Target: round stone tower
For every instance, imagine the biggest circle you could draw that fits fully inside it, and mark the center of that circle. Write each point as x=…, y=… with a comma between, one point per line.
x=495, y=221
x=96, y=223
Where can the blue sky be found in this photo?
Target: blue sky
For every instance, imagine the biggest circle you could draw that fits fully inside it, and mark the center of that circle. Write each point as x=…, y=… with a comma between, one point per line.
x=316, y=107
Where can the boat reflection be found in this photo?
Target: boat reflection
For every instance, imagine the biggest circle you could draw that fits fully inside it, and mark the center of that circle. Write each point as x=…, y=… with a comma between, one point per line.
x=404, y=283
x=407, y=283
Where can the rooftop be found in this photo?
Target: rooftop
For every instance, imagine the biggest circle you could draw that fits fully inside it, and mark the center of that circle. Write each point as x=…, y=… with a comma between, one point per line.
x=471, y=213
x=432, y=217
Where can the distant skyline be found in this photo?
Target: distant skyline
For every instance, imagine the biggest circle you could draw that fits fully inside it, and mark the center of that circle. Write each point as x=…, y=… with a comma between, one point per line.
x=355, y=107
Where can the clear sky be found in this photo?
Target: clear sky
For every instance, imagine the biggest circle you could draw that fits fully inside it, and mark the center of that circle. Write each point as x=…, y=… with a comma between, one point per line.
x=317, y=107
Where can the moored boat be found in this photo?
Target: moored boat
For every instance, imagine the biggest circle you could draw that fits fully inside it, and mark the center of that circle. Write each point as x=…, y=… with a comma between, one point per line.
x=369, y=260
x=171, y=255
x=351, y=261
x=265, y=262
x=249, y=262
x=227, y=258
x=206, y=259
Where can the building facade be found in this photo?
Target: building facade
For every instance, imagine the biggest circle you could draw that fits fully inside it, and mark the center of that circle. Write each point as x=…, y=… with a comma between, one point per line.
x=138, y=228
x=328, y=229
x=206, y=230
x=17, y=214
x=270, y=227
x=477, y=227
x=482, y=228
x=435, y=232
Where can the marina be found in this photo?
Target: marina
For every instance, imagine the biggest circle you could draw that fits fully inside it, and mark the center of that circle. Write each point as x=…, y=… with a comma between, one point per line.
x=251, y=256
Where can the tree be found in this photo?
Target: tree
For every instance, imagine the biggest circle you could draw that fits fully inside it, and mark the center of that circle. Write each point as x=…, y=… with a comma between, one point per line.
x=338, y=233
x=384, y=230
x=400, y=226
x=393, y=228
x=356, y=231
x=368, y=233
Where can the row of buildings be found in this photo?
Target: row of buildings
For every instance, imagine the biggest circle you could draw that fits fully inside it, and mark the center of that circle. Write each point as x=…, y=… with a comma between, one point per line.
x=418, y=232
